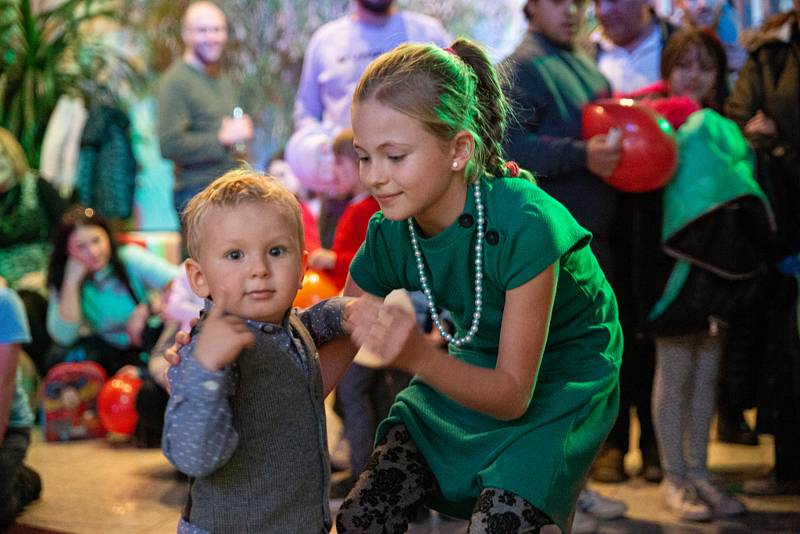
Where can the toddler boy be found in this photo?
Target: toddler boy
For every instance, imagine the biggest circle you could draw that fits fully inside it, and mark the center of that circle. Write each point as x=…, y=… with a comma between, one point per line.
x=245, y=419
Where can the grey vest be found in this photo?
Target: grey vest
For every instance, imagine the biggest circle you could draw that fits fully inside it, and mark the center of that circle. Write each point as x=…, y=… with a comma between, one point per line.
x=277, y=479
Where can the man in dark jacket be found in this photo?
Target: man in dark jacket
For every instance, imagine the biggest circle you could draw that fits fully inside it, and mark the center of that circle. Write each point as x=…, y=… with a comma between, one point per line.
x=764, y=103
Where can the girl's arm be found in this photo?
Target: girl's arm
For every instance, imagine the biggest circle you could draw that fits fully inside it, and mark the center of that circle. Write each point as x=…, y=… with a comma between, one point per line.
x=503, y=392
x=69, y=295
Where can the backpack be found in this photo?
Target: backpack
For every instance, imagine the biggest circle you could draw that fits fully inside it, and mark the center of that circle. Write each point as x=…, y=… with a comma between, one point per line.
x=68, y=397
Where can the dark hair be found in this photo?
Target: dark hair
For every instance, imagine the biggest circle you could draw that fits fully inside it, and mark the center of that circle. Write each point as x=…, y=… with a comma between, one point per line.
x=76, y=217
x=685, y=42
x=447, y=92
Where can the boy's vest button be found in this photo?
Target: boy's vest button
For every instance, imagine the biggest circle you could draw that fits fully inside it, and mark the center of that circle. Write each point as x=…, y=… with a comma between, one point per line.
x=492, y=237
x=466, y=220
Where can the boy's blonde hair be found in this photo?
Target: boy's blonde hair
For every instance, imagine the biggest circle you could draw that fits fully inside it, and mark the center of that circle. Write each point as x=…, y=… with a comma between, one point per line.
x=231, y=189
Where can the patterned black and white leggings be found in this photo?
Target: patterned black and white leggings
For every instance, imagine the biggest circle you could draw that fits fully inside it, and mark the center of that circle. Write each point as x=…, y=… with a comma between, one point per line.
x=396, y=483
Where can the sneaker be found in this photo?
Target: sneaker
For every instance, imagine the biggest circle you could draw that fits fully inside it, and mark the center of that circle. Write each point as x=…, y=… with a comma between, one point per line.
x=609, y=466
x=682, y=501
x=600, y=507
x=769, y=485
x=722, y=504
x=583, y=523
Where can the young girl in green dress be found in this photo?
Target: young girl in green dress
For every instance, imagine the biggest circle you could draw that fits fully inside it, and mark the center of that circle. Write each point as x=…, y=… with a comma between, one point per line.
x=501, y=428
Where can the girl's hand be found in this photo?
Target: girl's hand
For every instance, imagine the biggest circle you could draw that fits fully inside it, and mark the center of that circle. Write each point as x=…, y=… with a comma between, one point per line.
x=222, y=339
x=761, y=124
x=74, y=271
x=388, y=331
x=136, y=324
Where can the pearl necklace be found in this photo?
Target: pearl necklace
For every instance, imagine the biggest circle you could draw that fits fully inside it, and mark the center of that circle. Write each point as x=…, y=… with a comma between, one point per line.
x=423, y=279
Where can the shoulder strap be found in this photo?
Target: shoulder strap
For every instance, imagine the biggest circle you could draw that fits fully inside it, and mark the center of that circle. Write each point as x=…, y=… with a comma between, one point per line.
x=305, y=335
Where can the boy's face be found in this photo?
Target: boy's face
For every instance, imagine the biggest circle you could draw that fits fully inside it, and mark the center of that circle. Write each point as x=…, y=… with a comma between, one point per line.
x=557, y=20
x=249, y=261
x=345, y=176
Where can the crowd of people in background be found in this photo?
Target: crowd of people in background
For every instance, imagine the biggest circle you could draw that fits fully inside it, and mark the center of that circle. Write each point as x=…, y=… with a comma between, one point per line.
x=71, y=288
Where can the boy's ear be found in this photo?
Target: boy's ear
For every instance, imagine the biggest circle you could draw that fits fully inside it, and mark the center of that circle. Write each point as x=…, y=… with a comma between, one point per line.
x=197, y=280
x=303, y=267
x=463, y=148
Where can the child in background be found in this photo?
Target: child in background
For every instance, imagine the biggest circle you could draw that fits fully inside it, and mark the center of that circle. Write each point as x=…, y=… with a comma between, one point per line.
x=503, y=426
x=693, y=66
x=245, y=416
x=352, y=226
x=19, y=484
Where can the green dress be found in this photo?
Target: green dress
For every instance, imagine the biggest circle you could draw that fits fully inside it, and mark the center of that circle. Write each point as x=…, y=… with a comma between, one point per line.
x=544, y=455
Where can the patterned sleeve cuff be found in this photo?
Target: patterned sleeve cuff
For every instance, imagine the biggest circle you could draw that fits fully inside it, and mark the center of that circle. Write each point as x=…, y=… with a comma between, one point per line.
x=325, y=320
x=199, y=383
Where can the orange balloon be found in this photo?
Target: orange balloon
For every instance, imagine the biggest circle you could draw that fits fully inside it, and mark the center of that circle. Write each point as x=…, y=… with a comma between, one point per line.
x=649, y=151
x=116, y=404
x=316, y=287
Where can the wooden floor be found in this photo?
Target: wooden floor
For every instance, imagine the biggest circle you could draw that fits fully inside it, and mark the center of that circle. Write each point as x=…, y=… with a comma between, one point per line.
x=99, y=487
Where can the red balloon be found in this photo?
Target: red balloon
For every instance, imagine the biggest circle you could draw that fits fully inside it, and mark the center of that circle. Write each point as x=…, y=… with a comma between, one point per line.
x=116, y=403
x=316, y=287
x=649, y=152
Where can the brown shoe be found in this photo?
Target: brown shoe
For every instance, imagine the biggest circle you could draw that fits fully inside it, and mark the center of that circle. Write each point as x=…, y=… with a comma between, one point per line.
x=609, y=466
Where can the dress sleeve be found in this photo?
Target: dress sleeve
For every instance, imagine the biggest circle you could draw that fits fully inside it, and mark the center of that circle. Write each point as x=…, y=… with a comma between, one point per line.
x=543, y=232
x=374, y=266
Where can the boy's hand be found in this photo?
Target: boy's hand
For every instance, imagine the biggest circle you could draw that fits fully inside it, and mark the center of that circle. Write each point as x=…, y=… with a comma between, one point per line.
x=222, y=339
x=322, y=259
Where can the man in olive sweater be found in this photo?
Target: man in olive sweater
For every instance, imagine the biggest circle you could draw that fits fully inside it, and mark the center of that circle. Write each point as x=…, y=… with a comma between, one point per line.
x=197, y=126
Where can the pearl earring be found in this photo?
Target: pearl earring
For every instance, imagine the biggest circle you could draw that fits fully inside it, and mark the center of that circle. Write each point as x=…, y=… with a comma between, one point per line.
x=455, y=164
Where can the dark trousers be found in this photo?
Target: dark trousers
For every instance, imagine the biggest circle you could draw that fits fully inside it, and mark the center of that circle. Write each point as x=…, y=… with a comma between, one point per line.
x=94, y=348
x=18, y=484
x=364, y=397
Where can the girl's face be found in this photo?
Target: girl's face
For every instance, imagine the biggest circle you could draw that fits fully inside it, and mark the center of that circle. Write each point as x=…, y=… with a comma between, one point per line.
x=91, y=246
x=694, y=76
x=406, y=168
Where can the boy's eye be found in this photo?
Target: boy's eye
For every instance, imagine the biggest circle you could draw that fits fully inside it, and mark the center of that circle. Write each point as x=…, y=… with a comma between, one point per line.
x=277, y=251
x=235, y=255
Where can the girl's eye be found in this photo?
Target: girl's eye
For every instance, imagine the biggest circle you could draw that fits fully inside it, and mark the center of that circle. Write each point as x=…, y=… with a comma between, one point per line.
x=397, y=158
x=235, y=255
x=277, y=251
x=363, y=159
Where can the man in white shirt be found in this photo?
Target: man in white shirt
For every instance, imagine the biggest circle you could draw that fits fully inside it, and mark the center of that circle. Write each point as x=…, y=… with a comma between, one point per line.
x=629, y=43
x=337, y=54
